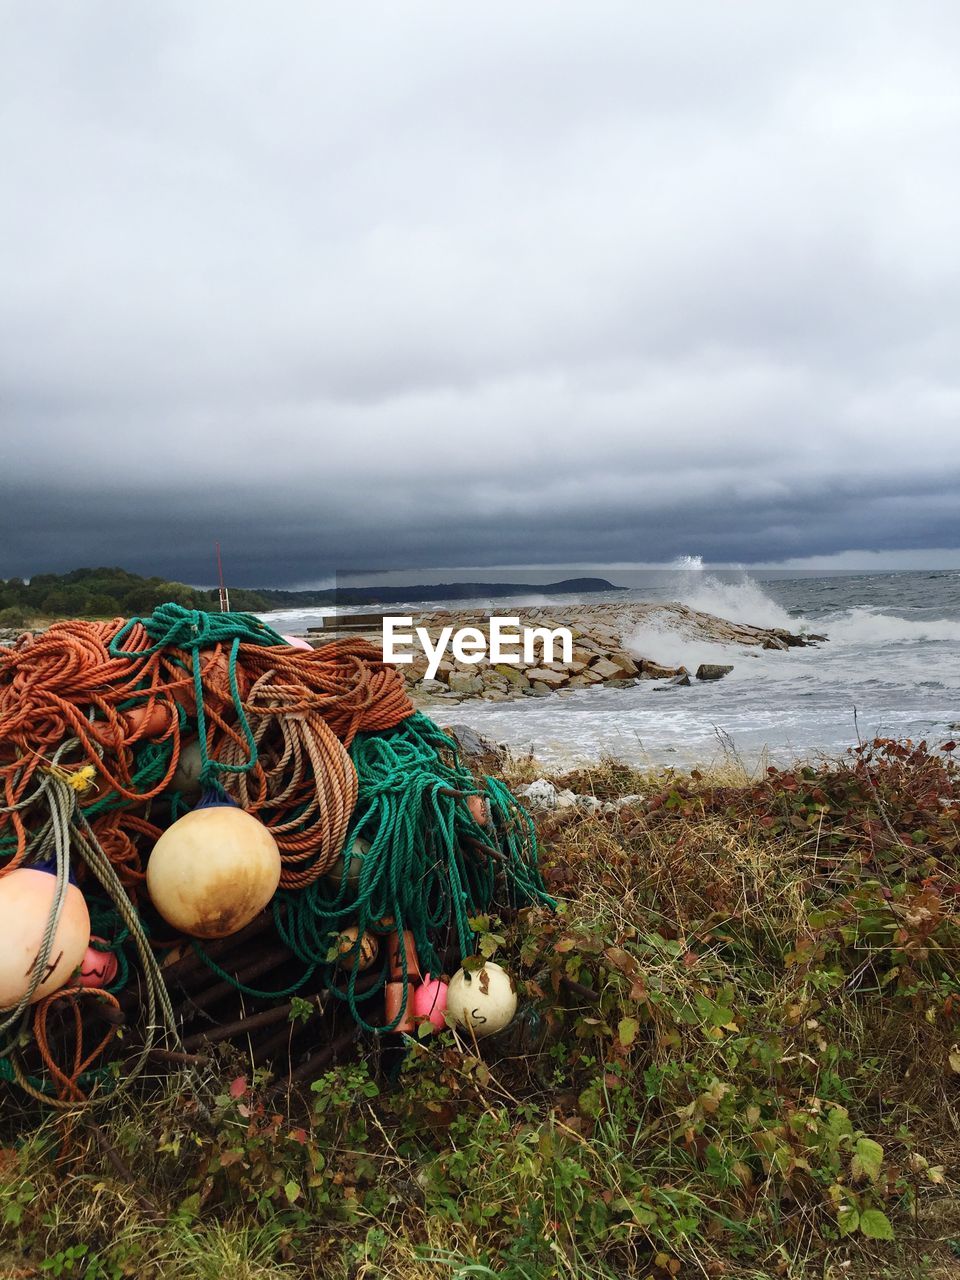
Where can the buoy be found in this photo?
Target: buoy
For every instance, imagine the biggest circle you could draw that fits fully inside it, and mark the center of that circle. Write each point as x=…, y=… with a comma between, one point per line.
x=97, y=968
x=430, y=1001
x=479, y=807
x=26, y=900
x=394, y=1006
x=186, y=776
x=348, y=948
x=151, y=722
x=483, y=1000
x=298, y=643
x=358, y=851
x=409, y=950
x=213, y=871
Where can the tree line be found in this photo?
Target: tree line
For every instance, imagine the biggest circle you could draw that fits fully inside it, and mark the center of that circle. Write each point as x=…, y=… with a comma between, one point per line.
x=107, y=593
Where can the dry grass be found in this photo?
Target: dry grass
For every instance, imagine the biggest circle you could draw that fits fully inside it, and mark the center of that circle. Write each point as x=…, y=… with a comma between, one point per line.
x=736, y=960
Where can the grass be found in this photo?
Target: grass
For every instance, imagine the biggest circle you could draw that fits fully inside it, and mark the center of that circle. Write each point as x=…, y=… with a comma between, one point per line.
x=734, y=1058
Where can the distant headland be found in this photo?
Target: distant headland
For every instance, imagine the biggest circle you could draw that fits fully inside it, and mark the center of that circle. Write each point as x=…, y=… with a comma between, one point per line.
x=109, y=592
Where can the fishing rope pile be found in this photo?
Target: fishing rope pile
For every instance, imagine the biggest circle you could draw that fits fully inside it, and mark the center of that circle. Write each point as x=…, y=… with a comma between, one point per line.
x=388, y=846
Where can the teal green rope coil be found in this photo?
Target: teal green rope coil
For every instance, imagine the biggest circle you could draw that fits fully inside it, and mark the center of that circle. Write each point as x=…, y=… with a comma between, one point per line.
x=431, y=866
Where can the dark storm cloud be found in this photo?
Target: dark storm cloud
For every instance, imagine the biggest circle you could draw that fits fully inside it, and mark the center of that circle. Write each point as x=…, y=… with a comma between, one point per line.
x=424, y=283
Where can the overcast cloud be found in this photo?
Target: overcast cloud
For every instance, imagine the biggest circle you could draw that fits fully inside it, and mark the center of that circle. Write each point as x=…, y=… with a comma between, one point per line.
x=419, y=283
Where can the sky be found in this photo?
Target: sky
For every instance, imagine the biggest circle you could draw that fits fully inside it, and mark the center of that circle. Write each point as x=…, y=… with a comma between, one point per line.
x=407, y=284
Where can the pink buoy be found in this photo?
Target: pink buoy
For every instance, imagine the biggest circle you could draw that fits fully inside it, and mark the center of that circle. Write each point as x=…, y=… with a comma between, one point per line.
x=430, y=1001
x=298, y=643
x=97, y=968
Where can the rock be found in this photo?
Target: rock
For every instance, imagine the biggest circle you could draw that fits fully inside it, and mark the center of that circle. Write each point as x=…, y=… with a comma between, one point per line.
x=465, y=682
x=632, y=798
x=678, y=682
x=540, y=690
x=606, y=669
x=493, y=680
x=542, y=794
x=588, y=804
x=713, y=670
x=623, y=660
x=773, y=642
x=546, y=675
x=432, y=686
x=513, y=675
x=625, y=683
x=655, y=671
x=473, y=745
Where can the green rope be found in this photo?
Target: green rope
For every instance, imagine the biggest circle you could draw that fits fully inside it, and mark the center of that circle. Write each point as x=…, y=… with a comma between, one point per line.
x=171, y=626
x=253, y=992
x=430, y=866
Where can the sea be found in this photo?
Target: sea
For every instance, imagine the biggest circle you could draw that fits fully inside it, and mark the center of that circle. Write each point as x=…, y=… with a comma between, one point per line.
x=890, y=667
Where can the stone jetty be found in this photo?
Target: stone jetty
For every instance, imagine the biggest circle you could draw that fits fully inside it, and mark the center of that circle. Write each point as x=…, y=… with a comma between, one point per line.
x=603, y=654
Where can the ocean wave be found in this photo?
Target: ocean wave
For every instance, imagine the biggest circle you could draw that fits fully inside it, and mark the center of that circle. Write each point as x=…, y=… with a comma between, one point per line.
x=865, y=626
x=742, y=600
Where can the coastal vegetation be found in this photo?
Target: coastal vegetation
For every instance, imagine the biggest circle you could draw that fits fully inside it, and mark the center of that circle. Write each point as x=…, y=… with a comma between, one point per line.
x=736, y=1057
x=104, y=593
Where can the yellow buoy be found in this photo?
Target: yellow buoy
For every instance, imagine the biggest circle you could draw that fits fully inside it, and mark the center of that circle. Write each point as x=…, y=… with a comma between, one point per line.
x=352, y=953
x=26, y=900
x=213, y=871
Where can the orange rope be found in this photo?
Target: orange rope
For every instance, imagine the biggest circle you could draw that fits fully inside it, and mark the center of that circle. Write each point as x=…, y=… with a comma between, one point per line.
x=68, y=1089
x=346, y=681
x=303, y=787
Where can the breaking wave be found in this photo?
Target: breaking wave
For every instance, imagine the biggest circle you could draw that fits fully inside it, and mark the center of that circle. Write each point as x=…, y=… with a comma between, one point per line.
x=743, y=600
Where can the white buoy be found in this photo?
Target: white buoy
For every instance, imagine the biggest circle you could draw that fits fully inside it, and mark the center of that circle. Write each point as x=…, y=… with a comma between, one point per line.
x=26, y=900
x=358, y=851
x=484, y=1000
x=213, y=871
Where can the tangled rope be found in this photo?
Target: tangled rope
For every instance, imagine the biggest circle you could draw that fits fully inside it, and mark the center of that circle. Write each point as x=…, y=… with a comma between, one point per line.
x=430, y=868
x=323, y=747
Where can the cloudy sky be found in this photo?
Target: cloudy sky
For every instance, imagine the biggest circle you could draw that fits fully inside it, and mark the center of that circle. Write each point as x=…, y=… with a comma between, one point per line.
x=418, y=283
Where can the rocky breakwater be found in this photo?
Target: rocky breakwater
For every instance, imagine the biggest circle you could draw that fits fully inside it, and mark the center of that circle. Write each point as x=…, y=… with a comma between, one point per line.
x=602, y=654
